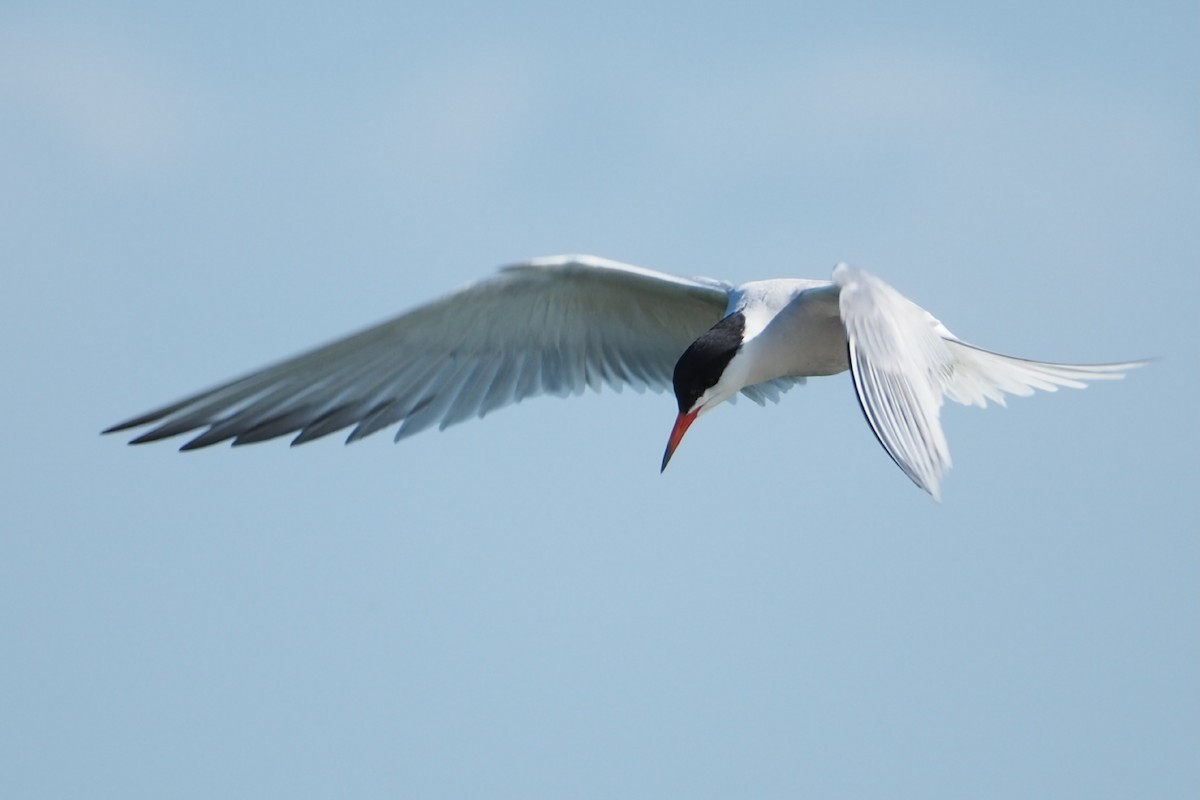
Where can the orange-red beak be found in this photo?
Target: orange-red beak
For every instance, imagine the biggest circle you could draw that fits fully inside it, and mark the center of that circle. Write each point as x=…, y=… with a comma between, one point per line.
x=682, y=423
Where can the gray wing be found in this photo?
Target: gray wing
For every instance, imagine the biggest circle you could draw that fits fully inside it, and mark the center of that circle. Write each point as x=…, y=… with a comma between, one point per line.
x=549, y=326
x=904, y=362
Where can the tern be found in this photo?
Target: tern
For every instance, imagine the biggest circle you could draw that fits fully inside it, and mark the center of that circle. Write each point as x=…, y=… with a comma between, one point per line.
x=561, y=324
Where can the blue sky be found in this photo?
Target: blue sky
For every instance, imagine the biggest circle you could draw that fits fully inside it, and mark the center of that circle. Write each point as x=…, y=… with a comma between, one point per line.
x=524, y=607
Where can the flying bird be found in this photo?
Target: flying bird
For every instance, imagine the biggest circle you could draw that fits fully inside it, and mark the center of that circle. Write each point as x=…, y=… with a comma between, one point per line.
x=560, y=324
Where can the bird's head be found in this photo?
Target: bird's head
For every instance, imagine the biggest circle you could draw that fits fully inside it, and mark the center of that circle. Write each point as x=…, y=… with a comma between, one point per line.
x=698, y=376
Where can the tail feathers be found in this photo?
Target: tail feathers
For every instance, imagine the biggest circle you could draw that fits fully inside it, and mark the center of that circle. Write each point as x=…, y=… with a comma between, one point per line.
x=981, y=375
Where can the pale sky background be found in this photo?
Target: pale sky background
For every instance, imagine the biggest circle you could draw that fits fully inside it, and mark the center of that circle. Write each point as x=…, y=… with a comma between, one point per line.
x=523, y=607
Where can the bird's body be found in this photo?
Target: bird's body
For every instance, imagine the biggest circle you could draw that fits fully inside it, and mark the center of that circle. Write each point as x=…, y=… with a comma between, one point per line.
x=781, y=313
x=561, y=324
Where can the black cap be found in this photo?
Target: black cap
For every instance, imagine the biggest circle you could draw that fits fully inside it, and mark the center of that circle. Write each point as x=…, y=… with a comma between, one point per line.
x=705, y=360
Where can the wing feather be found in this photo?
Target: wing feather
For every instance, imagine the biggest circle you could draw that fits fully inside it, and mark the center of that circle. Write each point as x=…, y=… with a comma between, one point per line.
x=897, y=360
x=904, y=362
x=555, y=325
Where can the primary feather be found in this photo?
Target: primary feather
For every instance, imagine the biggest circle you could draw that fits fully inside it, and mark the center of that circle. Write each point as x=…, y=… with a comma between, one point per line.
x=548, y=326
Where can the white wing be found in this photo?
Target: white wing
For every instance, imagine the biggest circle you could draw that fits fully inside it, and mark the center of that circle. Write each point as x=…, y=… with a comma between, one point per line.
x=899, y=364
x=904, y=361
x=549, y=326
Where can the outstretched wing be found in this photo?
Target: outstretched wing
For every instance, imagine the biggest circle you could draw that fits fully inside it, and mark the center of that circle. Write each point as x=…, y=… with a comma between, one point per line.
x=549, y=326
x=904, y=362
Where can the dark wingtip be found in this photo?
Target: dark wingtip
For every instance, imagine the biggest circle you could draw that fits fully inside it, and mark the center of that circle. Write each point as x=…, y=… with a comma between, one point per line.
x=126, y=425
